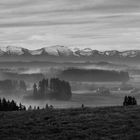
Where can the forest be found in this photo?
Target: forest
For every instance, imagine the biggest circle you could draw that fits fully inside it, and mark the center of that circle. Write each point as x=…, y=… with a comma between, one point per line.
x=53, y=88
x=94, y=75
x=6, y=105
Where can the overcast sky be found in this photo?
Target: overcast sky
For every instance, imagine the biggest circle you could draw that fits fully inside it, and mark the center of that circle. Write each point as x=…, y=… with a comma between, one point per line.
x=99, y=24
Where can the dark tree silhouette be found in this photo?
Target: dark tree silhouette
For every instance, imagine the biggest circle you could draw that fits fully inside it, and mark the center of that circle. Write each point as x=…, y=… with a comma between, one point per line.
x=30, y=107
x=60, y=89
x=35, y=90
x=129, y=100
x=21, y=107
x=6, y=105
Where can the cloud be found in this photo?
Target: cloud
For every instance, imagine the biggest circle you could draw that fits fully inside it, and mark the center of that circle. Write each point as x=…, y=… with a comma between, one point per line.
x=93, y=23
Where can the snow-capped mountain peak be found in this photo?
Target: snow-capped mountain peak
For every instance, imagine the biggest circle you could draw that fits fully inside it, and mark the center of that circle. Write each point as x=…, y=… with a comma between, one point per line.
x=86, y=52
x=82, y=52
x=58, y=50
x=130, y=53
x=13, y=50
x=111, y=53
x=36, y=52
x=65, y=51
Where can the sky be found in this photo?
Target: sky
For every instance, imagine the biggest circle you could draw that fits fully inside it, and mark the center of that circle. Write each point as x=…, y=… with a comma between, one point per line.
x=96, y=24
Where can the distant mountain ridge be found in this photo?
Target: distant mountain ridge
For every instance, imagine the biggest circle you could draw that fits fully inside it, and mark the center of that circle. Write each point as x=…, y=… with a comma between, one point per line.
x=65, y=54
x=65, y=51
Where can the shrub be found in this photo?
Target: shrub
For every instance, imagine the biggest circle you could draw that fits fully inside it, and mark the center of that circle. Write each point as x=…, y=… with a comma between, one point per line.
x=129, y=100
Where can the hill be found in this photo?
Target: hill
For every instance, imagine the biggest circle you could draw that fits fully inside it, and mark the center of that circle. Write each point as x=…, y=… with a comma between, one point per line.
x=107, y=123
x=96, y=75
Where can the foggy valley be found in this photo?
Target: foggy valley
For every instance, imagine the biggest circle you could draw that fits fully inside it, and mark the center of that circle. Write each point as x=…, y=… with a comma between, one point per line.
x=96, y=91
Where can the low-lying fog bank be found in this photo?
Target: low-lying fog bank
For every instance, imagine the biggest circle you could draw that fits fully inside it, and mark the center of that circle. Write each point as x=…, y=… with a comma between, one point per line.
x=89, y=93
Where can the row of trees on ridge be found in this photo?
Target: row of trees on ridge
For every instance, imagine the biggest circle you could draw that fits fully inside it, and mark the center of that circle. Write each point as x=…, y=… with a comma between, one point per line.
x=6, y=105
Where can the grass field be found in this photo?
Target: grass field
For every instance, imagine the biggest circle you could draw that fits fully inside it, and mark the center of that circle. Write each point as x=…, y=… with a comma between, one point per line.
x=104, y=123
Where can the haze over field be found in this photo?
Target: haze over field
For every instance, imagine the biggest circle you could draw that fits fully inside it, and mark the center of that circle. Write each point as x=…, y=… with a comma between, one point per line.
x=91, y=92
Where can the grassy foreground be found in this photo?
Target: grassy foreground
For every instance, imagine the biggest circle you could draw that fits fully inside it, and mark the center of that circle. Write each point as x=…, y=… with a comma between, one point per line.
x=109, y=123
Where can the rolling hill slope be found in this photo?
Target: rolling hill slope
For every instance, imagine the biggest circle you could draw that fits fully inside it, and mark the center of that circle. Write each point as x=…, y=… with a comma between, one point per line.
x=107, y=123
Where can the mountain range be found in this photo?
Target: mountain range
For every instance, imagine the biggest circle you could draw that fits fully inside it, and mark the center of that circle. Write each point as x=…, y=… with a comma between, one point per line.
x=57, y=51
x=65, y=51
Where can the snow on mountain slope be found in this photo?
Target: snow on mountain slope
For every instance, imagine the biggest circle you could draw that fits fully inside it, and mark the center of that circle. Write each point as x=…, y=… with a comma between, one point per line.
x=2, y=50
x=36, y=52
x=58, y=50
x=86, y=52
x=11, y=50
x=65, y=51
x=75, y=51
x=111, y=53
x=14, y=50
x=82, y=52
x=131, y=53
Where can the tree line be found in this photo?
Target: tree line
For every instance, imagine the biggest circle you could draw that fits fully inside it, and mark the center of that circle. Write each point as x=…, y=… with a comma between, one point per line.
x=129, y=100
x=6, y=105
x=94, y=75
x=53, y=88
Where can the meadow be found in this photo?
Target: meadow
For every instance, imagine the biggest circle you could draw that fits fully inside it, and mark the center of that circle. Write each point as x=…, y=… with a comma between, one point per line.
x=101, y=123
